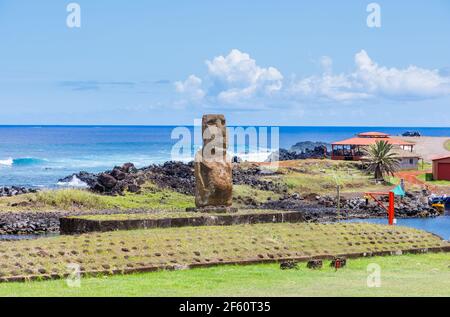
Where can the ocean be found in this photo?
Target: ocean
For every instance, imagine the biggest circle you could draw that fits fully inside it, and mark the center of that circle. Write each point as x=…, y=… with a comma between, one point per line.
x=37, y=156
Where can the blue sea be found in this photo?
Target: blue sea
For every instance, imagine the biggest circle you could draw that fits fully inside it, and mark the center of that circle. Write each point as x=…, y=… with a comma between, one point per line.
x=37, y=156
x=438, y=225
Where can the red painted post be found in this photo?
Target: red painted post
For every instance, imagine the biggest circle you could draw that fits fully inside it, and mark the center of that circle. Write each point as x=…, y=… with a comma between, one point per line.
x=391, y=208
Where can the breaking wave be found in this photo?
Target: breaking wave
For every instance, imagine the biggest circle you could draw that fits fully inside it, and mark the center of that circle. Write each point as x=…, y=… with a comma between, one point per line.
x=74, y=182
x=22, y=161
x=260, y=155
x=7, y=162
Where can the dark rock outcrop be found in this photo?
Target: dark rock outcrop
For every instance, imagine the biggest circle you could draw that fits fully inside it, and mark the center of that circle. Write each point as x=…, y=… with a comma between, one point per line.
x=107, y=181
x=253, y=176
x=176, y=176
x=173, y=175
x=114, y=182
x=286, y=155
x=411, y=133
x=308, y=146
x=89, y=178
x=28, y=222
x=414, y=204
x=15, y=190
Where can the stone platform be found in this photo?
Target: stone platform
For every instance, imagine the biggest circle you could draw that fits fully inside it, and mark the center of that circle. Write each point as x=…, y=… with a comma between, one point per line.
x=103, y=223
x=213, y=210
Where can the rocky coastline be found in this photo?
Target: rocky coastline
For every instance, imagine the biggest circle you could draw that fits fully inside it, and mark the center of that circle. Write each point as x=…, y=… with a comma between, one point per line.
x=180, y=177
x=45, y=222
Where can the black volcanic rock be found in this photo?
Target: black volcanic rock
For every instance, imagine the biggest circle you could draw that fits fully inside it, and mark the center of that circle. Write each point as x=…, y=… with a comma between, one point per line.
x=107, y=180
x=309, y=146
x=411, y=133
x=9, y=191
x=118, y=174
x=286, y=155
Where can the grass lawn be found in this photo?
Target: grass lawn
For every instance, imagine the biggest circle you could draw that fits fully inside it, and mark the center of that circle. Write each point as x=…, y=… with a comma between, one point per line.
x=260, y=196
x=406, y=275
x=425, y=166
x=439, y=183
x=150, y=198
x=322, y=177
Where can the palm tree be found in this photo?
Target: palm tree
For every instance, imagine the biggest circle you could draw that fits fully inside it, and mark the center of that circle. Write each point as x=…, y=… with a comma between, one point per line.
x=382, y=160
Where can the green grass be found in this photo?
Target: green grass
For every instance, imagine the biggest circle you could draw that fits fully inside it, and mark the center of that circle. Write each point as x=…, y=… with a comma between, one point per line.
x=439, y=182
x=181, y=247
x=406, y=275
x=260, y=196
x=151, y=198
x=447, y=145
x=323, y=176
x=392, y=180
x=171, y=215
x=425, y=166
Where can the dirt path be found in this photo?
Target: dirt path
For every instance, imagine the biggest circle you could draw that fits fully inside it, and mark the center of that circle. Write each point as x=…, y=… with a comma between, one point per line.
x=411, y=178
x=428, y=147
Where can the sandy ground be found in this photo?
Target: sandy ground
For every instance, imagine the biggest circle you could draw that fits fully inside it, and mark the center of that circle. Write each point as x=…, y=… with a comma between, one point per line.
x=428, y=147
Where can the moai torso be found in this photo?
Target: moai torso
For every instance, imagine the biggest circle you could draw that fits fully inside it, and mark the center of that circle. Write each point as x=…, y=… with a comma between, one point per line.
x=213, y=168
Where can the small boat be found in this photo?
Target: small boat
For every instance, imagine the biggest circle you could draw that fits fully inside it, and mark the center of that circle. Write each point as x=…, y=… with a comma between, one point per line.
x=440, y=202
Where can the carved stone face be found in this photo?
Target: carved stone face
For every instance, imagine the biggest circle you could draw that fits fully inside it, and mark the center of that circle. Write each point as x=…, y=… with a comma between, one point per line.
x=214, y=128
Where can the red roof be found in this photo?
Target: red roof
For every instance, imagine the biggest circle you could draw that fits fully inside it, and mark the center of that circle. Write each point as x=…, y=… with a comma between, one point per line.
x=440, y=157
x=374, y=134
x=370, y=141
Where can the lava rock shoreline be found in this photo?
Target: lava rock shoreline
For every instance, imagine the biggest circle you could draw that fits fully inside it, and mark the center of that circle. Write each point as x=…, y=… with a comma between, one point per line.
x=179, y=177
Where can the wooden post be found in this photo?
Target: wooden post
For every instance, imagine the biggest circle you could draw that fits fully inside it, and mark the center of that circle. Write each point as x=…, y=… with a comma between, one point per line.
x=338, y=201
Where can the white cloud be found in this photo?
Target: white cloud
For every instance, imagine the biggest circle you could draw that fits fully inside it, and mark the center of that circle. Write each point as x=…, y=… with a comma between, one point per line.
x=411, y=82
x=369, y=80
x=236, y=79
x=240, y=72
x=191, y=88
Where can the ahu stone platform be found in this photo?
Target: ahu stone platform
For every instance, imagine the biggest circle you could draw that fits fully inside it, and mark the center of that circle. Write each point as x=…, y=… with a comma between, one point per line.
x=104, y=223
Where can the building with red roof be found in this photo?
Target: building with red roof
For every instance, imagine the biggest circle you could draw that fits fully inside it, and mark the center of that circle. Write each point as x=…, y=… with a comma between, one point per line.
x=353, y=149
x=441, y=168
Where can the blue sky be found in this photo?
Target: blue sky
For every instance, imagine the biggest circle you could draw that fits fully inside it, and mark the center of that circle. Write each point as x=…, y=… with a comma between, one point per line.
x=263, y=63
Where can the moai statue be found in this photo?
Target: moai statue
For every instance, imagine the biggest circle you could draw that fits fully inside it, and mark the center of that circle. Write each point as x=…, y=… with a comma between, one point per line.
x=213, y=168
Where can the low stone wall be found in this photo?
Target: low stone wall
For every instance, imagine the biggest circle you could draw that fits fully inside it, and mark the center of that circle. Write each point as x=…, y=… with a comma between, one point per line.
x=73, y=225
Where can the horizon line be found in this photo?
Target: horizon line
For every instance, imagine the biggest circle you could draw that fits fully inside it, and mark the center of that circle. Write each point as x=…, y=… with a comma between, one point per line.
x=232, y=125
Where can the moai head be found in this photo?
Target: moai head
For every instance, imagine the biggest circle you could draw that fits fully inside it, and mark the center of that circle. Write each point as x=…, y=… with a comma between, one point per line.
x=214, y=135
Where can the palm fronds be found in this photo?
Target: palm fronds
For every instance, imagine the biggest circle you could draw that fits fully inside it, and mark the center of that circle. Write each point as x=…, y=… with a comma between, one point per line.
x=382, y=160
